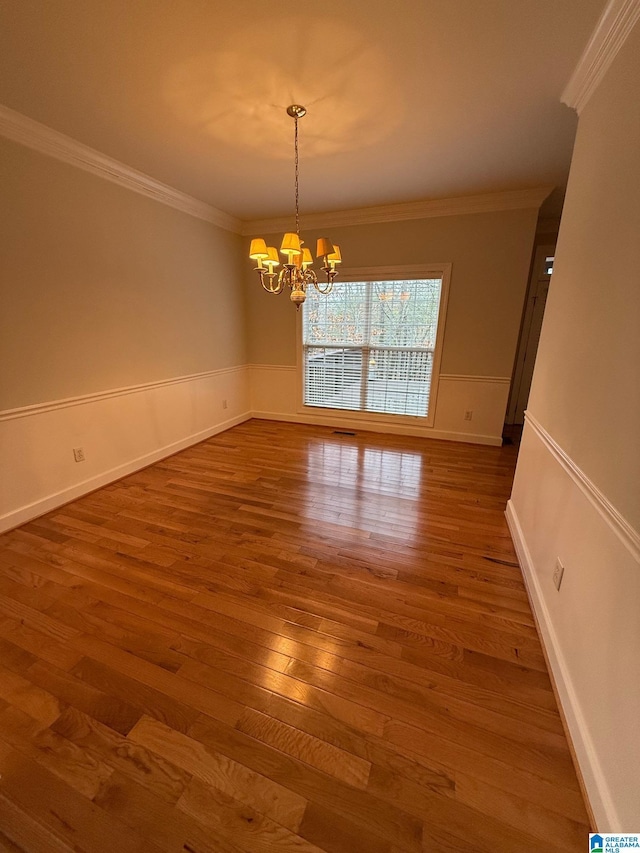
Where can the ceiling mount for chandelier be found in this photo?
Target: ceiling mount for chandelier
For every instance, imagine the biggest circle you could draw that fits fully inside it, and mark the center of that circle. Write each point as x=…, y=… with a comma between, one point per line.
x=296, y=272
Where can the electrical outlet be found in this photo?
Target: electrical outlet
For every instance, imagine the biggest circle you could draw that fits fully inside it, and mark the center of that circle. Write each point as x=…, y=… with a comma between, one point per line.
x=78, y=454
x=224, y=404
x=558, y=574
x=468, y=415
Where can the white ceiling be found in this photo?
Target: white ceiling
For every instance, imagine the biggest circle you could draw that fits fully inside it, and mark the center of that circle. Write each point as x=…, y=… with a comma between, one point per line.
x=407, y=99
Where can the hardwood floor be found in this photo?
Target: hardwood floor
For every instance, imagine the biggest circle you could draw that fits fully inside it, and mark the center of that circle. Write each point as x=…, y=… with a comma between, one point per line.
x=281, y=639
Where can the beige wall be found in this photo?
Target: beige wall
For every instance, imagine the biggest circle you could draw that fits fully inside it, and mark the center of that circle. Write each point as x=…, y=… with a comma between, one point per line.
x=586, y=389
x=577, y=489
x=490, y=253
x=103, y=288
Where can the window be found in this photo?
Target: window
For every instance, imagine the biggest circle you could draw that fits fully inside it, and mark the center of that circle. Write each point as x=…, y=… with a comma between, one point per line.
x=370, y=346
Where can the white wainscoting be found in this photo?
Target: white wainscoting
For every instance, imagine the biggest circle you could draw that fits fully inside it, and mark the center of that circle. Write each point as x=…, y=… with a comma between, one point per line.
x=275, y=395
x=120, y=430
x=591, y=627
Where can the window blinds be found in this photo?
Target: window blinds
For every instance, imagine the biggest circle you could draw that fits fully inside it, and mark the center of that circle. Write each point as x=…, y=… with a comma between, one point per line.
x=368, y=346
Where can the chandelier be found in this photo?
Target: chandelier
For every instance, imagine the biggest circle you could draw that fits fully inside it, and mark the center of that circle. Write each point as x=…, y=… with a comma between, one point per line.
x=296, y=272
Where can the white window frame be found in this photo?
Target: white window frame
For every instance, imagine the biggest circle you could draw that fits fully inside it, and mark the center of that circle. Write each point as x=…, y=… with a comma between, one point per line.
x=387, y=273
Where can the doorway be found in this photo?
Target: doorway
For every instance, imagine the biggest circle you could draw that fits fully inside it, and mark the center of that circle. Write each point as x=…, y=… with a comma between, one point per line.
x=541, y=272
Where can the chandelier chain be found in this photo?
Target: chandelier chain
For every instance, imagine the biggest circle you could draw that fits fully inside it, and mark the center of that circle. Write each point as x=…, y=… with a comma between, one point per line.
x=296, y=272
x=296, y=163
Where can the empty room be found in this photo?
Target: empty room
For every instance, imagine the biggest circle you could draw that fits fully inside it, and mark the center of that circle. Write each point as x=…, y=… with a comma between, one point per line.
x=319, y=448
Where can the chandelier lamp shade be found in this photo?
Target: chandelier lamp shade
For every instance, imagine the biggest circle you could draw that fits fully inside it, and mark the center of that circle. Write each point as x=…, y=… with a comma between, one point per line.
x=296, y=273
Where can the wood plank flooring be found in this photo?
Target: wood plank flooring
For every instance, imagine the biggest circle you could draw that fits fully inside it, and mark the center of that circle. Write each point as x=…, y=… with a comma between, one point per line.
x=281, y=639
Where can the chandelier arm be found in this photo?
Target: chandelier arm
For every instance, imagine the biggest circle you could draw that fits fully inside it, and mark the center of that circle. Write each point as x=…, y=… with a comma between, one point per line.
x=279, y=287
x=324, y=290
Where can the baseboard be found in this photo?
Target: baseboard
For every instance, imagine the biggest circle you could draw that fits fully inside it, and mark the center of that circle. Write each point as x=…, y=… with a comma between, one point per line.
x=373, y=426
x=598, y=800
x=27, y=513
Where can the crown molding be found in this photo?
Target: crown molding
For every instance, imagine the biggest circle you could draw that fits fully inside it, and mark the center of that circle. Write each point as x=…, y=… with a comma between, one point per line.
x=611, y=32
x=32, y=134
x=25, y=131
x=485, y=203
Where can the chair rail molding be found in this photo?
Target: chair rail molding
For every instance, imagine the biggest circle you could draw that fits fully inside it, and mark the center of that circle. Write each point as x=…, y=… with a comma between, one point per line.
x=611, y=32
x=39, y=137
x=65, y=403
x=629, y=537
x=463, y=377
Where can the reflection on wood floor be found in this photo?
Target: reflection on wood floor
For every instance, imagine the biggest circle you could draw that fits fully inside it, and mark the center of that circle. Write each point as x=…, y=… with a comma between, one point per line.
x=281, y=639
